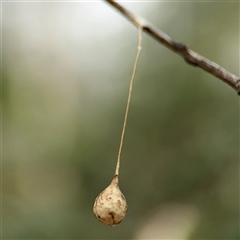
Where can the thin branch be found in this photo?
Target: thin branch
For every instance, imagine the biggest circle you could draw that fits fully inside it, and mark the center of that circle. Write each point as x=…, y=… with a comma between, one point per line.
x=189, y=56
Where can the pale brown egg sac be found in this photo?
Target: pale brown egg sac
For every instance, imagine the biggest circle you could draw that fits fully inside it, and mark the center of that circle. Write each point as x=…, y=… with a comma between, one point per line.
x=110, y=206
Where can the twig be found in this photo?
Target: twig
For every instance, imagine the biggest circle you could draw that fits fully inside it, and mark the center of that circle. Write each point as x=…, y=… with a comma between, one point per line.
x=189, y=56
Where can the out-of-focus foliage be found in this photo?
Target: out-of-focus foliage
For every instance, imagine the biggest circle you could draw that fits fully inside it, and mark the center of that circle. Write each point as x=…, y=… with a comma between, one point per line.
x=66, y=70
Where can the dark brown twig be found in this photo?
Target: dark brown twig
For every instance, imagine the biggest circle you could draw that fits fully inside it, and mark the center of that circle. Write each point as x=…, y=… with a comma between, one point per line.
x=190, y=56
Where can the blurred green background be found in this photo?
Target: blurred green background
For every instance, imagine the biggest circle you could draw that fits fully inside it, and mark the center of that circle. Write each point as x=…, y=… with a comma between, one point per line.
x=66, y=72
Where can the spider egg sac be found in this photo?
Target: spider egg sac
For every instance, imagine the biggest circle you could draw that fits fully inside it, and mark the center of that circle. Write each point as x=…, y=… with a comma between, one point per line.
x=110, y=206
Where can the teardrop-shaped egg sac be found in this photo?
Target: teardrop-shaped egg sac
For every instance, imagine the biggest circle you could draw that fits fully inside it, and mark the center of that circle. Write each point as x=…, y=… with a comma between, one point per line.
x=110, y=206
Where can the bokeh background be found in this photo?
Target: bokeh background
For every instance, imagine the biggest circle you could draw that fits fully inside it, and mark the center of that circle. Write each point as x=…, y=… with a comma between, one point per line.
x=66, y=68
